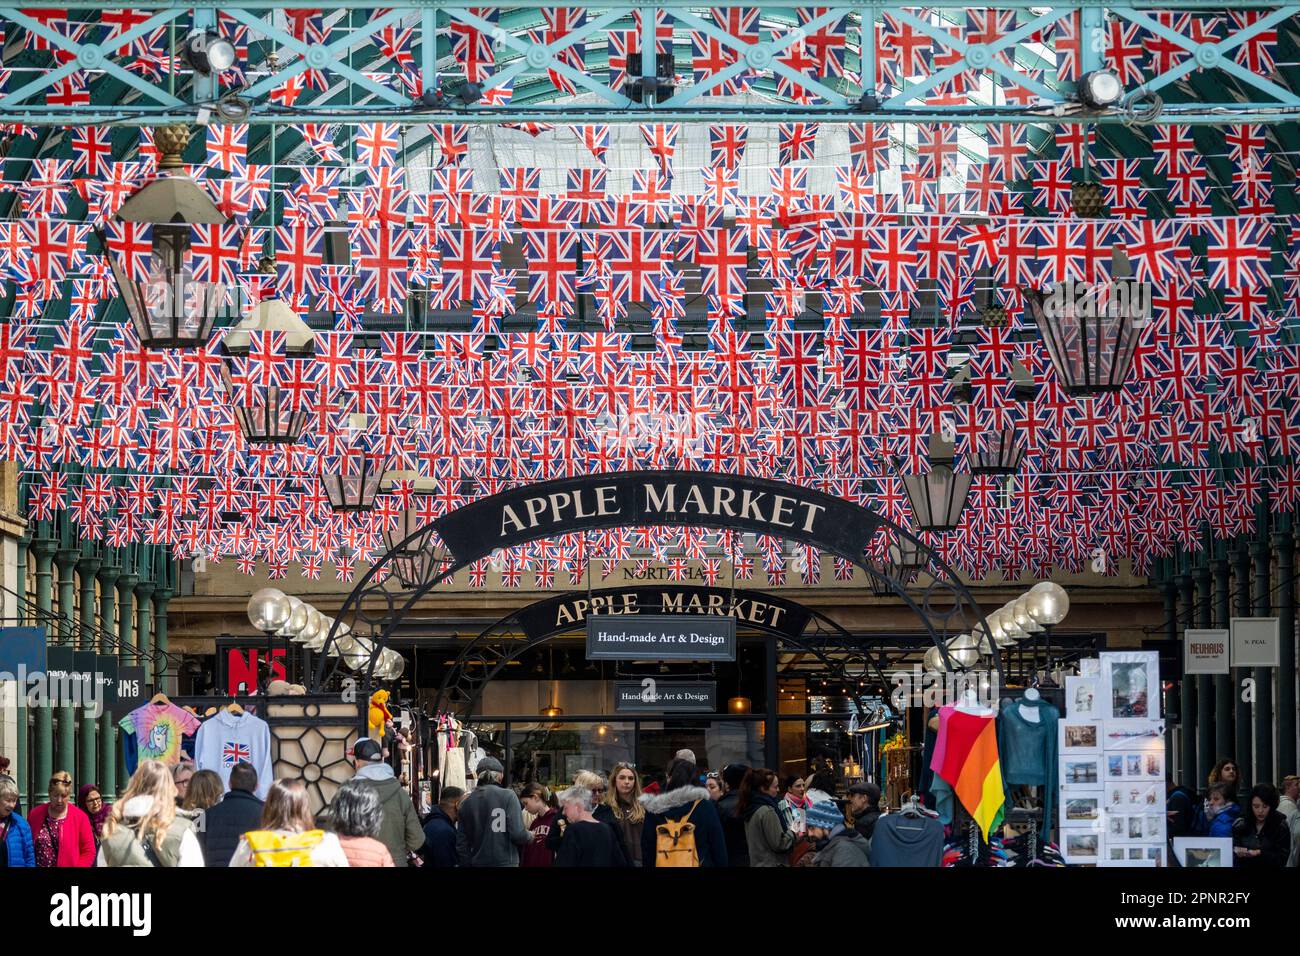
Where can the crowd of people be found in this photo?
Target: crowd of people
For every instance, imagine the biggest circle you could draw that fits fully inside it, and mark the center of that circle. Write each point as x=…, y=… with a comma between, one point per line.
x=182, y=817
x=1263, y=824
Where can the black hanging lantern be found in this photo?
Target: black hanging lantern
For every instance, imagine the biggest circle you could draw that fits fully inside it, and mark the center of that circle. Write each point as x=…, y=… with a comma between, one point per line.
x=168, y=307
x=354, y=484
x=881, y=580
x=411, y=561
x=938, y=496
x=907, y=558
x=1002, y=454
x=1091, y=344
x=266, y=413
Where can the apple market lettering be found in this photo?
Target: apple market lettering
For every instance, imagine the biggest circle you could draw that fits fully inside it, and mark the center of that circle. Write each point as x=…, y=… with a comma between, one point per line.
x=660, y=500
x=679, y=602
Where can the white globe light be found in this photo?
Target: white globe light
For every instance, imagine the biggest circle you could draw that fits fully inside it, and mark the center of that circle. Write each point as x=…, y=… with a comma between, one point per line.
x=932, y=662
x=1020, y=610
x=357, y=654
x=963, y=651
x=268, y=609
x=297, y=619
x=1052, y=603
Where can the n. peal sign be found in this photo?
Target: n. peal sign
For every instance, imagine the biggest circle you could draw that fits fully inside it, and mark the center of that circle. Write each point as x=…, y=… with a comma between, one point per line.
x=675, y=498
x=653, y=696
x=569, y=612
x=1206, y=651
x=1256, y=641
x=661, y=638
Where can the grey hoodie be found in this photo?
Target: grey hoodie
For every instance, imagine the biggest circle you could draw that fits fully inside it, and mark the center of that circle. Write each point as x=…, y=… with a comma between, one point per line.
x=844, y=848
x=400, y=830
x=490, y=827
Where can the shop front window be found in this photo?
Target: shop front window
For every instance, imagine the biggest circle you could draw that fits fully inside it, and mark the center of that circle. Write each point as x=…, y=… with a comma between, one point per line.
x=715, y=744
x=826, y=750
x=552, y=753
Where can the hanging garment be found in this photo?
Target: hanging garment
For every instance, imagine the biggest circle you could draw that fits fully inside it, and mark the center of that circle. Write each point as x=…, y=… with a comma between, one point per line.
x=966, y=756
x=453, y=768
x=226, y=739
x=158, y=730
x=1027, y=749
x=901, y=839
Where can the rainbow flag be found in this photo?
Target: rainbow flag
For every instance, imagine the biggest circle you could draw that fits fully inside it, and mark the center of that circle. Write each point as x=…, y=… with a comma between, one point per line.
x=970, y=765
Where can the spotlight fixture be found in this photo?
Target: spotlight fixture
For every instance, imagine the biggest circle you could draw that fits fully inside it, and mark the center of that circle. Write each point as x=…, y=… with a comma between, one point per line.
x=648, y=89
x=434, y=98
x=208, y=52
x=1100, y=89
x=469, y=93
x=868, y=102
x=233, y=109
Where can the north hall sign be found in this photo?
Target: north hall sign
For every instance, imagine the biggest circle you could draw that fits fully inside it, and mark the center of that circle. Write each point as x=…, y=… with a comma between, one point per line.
x=682, y=498
x=568, y=612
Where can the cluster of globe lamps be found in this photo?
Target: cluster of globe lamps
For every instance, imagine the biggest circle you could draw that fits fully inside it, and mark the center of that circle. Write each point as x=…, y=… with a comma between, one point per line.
x=1042, y=606
x=277, y=614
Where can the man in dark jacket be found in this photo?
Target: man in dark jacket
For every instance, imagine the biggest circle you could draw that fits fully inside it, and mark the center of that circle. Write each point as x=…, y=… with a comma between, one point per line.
x=490, y=827
x=836, y=845
x=864, y=807
x=733, y=827
x=239, y=811
x=681, y=797
x=400, y=829
x=440, y=829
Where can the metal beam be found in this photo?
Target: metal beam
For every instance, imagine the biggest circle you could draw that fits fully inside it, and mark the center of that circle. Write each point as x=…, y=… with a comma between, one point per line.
x=955, y=71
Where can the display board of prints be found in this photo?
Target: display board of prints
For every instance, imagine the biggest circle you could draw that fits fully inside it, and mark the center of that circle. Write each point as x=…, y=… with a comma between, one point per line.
x=1112, y=763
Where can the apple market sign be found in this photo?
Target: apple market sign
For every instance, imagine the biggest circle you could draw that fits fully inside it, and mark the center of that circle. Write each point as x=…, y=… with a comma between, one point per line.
x=680, y=498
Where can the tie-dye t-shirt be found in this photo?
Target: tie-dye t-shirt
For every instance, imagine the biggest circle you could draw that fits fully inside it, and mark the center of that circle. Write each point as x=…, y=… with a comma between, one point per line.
x=158, y=731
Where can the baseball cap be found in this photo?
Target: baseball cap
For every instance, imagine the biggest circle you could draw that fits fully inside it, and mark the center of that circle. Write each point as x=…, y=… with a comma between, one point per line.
x=367, y=749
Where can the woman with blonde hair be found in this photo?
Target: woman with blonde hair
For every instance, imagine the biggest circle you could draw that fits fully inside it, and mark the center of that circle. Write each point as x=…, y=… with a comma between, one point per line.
x=145, y=828
x=624, y=803
x=289, y=836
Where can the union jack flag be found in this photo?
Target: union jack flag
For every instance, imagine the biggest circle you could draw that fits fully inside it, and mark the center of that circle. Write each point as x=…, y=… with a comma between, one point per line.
x=377, y=144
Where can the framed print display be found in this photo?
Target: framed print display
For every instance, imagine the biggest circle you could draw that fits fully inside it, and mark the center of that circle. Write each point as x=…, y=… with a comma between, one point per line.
x=1080, y=810
x=1081, y=846
x=1203, y=852
x=1081, y=698
x=1081, y=771
x=1132, y=827
x=1129, y=686
x=1131, y=736
x=1079, y=737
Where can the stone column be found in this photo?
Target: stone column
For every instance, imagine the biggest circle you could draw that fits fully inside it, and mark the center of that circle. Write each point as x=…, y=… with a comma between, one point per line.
x=1187, y=702
x=1264, y=715
x=66, y=739
x=87, y=762
x=126, y=656
x=1204, y=683
x=22, y=772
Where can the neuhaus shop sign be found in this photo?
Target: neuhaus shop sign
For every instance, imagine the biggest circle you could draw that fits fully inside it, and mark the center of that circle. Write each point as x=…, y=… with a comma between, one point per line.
x=699, y=499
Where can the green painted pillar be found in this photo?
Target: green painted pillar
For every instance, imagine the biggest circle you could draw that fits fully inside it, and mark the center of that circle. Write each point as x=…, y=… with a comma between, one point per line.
x=22, y=752
x=1169, y=591
x=126, y=583
x=65, y=751
x=109, y=751
x=166, y=679
x=1204, y=682
x=1187, y=703
x=43, y=739
x=87, y=753
x=1284, y=543
x=126, y=650
x=144, y=627
x=1264, y=715
x=1225, y=711
x=1241, y=582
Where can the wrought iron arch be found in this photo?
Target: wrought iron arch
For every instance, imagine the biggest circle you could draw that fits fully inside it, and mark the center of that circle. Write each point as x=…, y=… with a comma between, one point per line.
x=484, y=657
x=393, y=585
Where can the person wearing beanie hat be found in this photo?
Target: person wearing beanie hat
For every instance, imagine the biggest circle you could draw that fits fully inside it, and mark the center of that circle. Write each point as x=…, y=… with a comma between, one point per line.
x=864, y=807
x=836, y=845
x=490, y=821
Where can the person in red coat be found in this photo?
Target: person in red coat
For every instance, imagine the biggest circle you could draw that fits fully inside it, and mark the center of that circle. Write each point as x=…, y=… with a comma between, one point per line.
x=61, y=832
